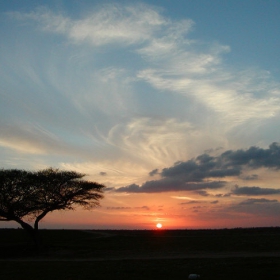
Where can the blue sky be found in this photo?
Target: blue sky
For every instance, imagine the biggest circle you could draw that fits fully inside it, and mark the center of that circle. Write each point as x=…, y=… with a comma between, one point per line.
x=145, y=97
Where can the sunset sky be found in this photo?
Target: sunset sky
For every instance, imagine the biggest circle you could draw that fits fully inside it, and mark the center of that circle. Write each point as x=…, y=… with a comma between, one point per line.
x=173, y=105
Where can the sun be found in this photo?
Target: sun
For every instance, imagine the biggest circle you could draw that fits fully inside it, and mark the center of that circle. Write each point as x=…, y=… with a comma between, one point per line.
x=159, y=225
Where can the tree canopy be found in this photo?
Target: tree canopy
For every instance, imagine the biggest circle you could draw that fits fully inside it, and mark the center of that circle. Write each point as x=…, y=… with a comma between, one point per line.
x=31, y=195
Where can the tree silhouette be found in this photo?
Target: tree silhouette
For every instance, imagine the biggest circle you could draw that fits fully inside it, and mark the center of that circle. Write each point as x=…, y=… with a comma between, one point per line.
x=26, y=197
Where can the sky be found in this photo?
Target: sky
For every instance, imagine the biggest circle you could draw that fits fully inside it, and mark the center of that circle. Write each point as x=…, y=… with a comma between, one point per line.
x=173, y=105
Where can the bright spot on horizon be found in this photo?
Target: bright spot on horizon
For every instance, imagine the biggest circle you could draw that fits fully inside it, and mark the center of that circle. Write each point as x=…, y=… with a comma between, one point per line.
x=159, y=225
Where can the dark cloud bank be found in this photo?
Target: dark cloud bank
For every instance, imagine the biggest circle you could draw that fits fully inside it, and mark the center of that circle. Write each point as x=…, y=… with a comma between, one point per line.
x=195, y=174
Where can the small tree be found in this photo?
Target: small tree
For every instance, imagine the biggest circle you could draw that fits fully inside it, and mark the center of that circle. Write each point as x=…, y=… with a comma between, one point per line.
x=27, y=196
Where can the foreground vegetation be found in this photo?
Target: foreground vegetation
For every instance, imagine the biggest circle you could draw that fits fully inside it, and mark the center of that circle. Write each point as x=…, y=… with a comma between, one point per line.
x=75, y=254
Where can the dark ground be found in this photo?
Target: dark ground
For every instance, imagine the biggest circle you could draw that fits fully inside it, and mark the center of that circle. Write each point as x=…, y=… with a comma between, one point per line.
x=159, y=254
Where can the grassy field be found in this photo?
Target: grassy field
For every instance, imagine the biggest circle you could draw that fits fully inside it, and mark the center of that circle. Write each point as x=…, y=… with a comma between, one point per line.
x=173, y=254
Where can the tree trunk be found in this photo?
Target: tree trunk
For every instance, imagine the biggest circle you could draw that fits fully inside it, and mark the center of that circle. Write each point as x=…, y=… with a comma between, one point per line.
x=33, y=233
x=39, y=218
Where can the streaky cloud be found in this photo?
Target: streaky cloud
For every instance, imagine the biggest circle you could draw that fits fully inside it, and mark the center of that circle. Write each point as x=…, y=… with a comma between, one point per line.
x=118, y=208
x=214, y=202
x=250, y=177
x=110, y=24
x=251, y=201
x=254, y=191
x=169, y=185
x=190, y=202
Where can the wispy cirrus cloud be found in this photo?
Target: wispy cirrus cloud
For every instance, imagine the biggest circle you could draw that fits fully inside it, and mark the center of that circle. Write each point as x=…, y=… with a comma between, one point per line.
x=220, y=97
x=111, y=24
x=175, y=63
x=27, y=139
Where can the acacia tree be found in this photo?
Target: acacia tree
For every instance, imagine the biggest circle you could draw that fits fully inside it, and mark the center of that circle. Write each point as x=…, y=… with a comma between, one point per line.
x=26, y=197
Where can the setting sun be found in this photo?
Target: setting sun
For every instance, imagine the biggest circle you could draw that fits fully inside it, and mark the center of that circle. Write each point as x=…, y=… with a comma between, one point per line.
x=159, y=225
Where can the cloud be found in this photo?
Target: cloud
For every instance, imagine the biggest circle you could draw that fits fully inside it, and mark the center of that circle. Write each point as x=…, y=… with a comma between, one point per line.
x=198, y=202
x=215, y=90
x=112, y=24
x=256, y=207
x=202, y=167
x=202, y=193
x=258, y=201
x=169, y=185
x=254, y=157
x=214, y=202
x=254, y=191
x=250, y=177
x=190, y=202
x=118, y=208
x=228, y=164
x=223, y=195
x=198, y=77
x=143, y=207
x=153, y=172
x=155, y=140
x=128, y=208
x=28, y=139
x=194, y=174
